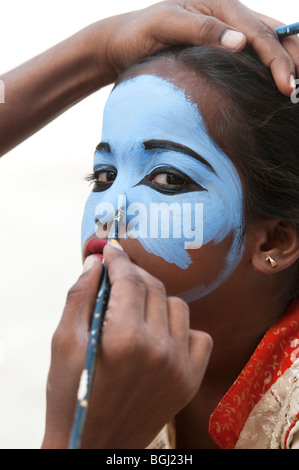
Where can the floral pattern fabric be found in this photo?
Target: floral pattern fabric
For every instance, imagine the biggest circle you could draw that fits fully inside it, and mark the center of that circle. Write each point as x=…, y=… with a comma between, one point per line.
x=261, y=409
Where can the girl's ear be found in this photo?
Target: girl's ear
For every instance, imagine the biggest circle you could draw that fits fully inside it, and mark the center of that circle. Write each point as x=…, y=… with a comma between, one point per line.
x=276, y=246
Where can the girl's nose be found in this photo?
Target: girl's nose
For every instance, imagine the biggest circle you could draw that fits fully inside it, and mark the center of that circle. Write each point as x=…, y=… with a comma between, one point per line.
x=105, y=216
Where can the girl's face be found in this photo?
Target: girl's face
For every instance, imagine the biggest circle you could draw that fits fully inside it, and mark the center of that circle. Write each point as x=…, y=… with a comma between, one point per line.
x=183, y=218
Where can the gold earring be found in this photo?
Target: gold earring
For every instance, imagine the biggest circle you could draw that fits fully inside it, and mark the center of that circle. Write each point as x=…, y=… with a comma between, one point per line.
x=271, y=261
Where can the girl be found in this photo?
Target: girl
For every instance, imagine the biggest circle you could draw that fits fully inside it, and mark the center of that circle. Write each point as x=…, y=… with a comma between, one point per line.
x=205, y=135
x=172, y=355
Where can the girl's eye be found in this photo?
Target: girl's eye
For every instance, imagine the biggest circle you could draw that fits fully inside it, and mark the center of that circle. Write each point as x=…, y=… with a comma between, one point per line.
x=168, y=180
x=105, y=176
x=102, y=179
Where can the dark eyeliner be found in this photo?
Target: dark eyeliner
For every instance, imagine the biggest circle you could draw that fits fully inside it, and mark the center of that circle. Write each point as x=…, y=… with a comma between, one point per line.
x=168, y=189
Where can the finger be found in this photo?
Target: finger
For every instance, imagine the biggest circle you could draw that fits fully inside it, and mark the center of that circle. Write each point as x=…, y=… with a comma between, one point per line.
x=156, y=309
x=236, y=27
x=263, y=39
x=81, y=297
x=179, y=320
x=291, y=45
x=183, y=27
x=136, y=292
x=128, y=290
x=276, y=57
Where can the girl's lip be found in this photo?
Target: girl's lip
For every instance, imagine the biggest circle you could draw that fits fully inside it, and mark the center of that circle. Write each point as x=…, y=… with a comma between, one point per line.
x=95, y=247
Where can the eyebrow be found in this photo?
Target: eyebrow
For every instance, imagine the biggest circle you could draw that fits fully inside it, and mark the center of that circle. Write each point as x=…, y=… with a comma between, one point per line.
x=176, y=147
x=155, y=144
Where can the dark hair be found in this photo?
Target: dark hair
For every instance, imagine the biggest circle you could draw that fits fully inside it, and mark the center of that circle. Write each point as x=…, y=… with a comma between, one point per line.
x=253, y=123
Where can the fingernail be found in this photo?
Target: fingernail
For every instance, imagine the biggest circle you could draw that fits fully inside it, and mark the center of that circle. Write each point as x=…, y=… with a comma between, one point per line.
x=292, y=82
x=232, y=39
x=90, y=261
x=115, y=244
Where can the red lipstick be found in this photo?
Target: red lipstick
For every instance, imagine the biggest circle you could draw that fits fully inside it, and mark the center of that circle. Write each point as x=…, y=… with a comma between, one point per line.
x=95, y=247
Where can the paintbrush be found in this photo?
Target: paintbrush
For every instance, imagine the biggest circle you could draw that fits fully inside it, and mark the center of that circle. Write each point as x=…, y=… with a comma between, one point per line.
x=288, y=30
x=93, y=344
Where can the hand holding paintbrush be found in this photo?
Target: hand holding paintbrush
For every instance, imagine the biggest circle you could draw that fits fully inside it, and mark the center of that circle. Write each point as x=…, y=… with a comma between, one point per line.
x=137, y=387
x=94, y=340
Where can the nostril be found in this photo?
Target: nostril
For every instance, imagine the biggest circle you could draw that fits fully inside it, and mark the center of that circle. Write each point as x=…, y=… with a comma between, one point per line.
x=100, y=224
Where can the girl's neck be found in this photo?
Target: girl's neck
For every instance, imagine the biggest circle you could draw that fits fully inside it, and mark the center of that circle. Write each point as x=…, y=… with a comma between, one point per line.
x=236, y=322
x=236, y=332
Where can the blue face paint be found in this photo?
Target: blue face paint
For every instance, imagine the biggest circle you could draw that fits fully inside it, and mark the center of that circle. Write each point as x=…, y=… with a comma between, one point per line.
x=148, y=108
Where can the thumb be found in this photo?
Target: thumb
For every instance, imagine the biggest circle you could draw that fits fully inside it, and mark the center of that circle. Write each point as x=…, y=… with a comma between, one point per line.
x=82, y=295
x=234, y=40
x=198, y=29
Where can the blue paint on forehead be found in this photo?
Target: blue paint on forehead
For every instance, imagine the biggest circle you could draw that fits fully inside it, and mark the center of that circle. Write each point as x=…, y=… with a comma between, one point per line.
x=148, y=107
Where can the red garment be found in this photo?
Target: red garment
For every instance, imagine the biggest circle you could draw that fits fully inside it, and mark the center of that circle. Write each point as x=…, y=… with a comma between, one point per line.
x=261, y=409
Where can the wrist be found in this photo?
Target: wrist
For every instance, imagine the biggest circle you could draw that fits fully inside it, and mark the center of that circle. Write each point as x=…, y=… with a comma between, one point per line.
x=54, y=442
x=100, y=39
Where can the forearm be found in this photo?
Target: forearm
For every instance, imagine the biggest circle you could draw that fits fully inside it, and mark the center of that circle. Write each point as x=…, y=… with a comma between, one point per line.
x=41, y=89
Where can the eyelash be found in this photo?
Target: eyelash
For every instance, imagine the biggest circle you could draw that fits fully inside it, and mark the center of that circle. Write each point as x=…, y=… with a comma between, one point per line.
x=100, y=186
x=187, y=185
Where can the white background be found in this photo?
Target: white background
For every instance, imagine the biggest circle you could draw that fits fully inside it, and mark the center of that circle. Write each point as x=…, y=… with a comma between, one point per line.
x=42, y=195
